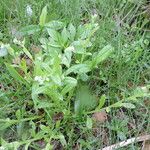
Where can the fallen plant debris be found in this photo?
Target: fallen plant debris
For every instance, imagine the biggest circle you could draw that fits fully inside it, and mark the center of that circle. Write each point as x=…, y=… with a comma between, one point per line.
x=100, y=116
x=127, y=142
x=146, y=145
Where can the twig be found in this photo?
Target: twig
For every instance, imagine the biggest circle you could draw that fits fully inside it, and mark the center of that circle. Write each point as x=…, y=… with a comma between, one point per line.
x=127, y=142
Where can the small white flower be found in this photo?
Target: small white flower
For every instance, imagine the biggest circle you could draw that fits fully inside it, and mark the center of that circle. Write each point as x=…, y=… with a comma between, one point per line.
x=39, y=79
x=39, y=58
x=144, y=89
x=17, y=41
x=94, y=16
x=96, y=24
x=46, y=79
x=36, y=78
x=29, y=10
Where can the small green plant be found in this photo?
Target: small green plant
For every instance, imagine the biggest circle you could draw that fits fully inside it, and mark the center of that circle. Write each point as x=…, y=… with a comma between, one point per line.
x=55, y=74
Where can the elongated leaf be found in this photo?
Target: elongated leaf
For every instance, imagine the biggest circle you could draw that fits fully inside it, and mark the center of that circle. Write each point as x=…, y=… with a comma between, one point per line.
x=15, y=74
x=128, y=105
x=31, y=29
x=72, y=31
x=56, y=25
x=27, y=53
x=62, y=139
x=70, y=83
x=121, y=104
x=101, y=102
x=64, y=35
x=102, y=55
x=43, y=16
x=79, y=69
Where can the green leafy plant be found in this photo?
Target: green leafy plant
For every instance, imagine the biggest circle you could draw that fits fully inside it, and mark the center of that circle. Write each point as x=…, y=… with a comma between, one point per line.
x=58, y=71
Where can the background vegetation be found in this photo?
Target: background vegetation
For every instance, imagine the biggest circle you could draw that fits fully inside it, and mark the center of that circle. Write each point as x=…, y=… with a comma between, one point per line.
x=75, y=74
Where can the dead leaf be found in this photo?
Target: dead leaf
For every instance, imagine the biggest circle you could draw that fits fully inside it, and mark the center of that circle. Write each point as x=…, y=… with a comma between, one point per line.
x=58, y=116
x=2, y=87
x=127, y=142
x=76, y=146
x=28, y=62
x=147, y=102
x=56, y=145
x=16, y=60
x=41, y=144
x=100, y=116
x=146, y=145
x=35, y=49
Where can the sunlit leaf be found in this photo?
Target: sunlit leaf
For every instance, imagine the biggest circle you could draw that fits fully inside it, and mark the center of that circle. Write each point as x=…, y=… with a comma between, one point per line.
x=70, y=83
x=54, y=25
x=101, y=102
x=89, y=123
x=128, y=105
x=43, y=16
x=102, y=55
x=79, y=69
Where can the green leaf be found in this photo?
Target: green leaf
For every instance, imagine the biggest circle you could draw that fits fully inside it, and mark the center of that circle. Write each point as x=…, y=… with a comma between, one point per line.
x=139, y=92
x=121, y=104
x=64, y=35
x=62, y=139
x=102, y=55
x=89, y=123
x=79, y=47
x=69, y=83
x=101, y=102
x=85, y=100
x=48, y=147
x=128, y=105
x=108, y=109
x=79, y=69
x=44, y=104
x=12, y=145
x=31, y=29
x=18, y=114
x=56, y=25
x=27, y=53
x=43, y=16
x=117, y=104
x=54, y=34
x=56, y=79
x=66, y=57
x=72, y=31
x=15, y=74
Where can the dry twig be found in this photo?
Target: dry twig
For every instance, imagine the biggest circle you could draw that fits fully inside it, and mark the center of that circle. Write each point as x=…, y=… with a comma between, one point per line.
x=127, y=142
